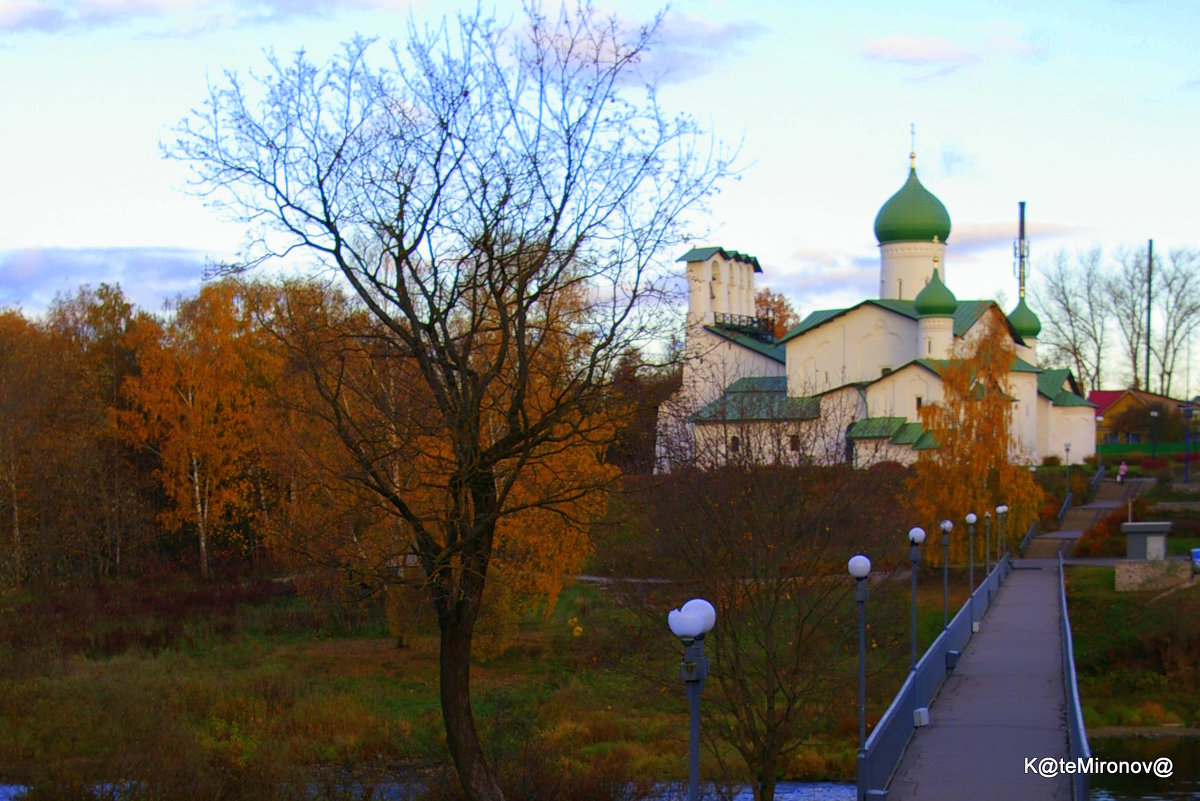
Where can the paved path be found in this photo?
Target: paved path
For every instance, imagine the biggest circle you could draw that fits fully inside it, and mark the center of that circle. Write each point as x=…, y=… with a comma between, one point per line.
x=1110, y=495
x=1004, y=702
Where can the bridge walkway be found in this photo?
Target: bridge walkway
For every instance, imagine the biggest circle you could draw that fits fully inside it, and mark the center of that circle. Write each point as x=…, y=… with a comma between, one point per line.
x=1004, y=703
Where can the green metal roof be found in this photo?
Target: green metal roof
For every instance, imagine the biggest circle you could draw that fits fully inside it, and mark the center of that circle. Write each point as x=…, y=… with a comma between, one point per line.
x=909, y=434
x=896, y=429
x=706, y=253
x=925, y=442
x=1024, y=321
x=772, y=350
x=764, y=383
x=876, y=427
x=762, y=398
x=818, y=318
x=966, y=314
x=913, y=214
x=936, y=299
x=1053, y=385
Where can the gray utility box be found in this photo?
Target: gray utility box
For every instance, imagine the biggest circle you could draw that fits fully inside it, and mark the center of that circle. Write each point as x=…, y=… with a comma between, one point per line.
x=1146, y=540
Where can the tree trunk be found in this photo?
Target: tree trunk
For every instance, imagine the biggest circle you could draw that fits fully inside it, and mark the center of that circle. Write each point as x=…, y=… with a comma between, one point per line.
x=18, y=562
x=201, y=518
x=764, y=790
x=478, y=781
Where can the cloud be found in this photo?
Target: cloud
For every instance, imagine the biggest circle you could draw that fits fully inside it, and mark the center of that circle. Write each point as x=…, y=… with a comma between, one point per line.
x=167, y=17
x=934, y=53
x=688, y=46
x=978, y=237
x=31, y=278
x=29, y=16
x=819, y=278
x=955, y=161
x=935, y=56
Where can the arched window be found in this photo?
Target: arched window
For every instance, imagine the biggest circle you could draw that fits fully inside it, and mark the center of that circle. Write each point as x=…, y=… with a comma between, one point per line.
x=735, y=444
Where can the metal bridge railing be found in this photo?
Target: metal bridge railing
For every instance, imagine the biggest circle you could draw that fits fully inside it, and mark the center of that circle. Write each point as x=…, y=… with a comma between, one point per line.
x=1076, y=732
x=878, y=760
x=1029, y=535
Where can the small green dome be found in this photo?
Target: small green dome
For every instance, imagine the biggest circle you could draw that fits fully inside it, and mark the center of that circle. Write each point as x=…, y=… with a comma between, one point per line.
x=1024, y=321
x=913, y=214
x=936, y=299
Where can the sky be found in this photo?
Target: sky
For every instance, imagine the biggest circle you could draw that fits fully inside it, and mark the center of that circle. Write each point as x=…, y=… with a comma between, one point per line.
x=1087, y=110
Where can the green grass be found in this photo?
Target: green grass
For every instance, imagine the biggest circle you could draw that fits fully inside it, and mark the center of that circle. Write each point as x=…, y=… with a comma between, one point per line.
x=234, y=694
x=1137, y=653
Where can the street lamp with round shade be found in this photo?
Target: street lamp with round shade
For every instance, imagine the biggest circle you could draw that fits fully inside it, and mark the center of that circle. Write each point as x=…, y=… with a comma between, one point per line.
x=987, y=542
x=860, y=567
x=690, y=623
x=1001, y=534
x=916, y=536
x=971, y=518
x=947, y=527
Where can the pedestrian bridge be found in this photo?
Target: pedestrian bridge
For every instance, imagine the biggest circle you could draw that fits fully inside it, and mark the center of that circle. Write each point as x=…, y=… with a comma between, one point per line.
x=1003, y=675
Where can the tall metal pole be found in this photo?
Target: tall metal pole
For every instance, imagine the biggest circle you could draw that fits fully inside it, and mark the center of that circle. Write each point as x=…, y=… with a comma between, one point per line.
x=694, y=671
x=860, y=598
x=987, y=543
x=1149, y=297
x=946, y=526
x=1187, y=444
x=971, y=552
x=915, y=537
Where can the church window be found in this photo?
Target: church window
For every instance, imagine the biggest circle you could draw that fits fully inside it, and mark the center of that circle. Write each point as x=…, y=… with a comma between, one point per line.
x=794, y=443
x=735, y=444
x=920, y=401
x=929, y=345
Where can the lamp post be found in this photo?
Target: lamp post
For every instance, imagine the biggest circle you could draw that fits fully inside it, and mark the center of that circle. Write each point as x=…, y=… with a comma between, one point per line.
x=971, y=518
x=1154, y=433
x=1186, y=408
x=860, y=567
x=916, y=536
x=1067, y=480
x=987, y=542
x=690, y=623
x=1001, y=532
x=946, y=528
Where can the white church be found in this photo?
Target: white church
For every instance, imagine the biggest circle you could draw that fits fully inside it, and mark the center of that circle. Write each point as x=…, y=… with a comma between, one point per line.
x=845, y=385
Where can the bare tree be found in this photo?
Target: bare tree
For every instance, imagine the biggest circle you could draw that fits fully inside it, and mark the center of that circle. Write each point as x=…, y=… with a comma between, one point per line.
x=498, y=199
x=767, y=546
x=1127, y=290
x=1177, y=312
x=1074, y=308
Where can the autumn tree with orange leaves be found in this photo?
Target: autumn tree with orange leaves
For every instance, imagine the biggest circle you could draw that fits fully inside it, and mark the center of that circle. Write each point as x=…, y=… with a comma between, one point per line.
x=776, y=306
x=975, y=466
x=196, y=404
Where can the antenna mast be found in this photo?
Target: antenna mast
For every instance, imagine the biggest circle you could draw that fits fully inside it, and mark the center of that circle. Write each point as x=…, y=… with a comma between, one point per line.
x=1021, y=250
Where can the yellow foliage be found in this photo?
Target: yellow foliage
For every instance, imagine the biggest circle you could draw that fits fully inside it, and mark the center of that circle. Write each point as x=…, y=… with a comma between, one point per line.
x=975, y=467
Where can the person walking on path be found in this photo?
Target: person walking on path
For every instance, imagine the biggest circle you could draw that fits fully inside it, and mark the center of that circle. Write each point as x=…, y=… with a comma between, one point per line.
x=1121, y=471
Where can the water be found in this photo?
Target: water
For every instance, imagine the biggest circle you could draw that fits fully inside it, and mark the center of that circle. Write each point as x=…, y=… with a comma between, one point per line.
x=1184, y=783
x=784, y=791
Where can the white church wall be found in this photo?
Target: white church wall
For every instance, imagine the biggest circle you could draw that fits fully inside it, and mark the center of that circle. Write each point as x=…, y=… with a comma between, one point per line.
x=856, y=346
x=1076, y=425
x=1025, y=413
x=905, y=267
x=896, y=395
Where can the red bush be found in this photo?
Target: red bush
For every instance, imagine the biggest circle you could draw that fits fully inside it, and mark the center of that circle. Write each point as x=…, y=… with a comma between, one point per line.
x=1151, y=463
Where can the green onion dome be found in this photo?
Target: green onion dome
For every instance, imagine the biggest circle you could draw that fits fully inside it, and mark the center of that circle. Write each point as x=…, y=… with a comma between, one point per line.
x=1024, y=321
x=936, y=299
x=913, y=214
